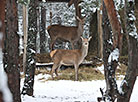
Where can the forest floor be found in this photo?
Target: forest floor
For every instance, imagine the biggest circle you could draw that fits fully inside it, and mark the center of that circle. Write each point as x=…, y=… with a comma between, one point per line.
x=64, y=89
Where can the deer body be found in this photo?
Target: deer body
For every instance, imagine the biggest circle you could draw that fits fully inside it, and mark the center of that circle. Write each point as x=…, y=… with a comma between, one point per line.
x=69, y=57
x=66, y=33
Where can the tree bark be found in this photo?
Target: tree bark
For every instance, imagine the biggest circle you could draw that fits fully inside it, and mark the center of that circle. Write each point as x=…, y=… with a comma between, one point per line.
x=100, y=33
x=1, y=97
x=131, y=73
x=2, y=17
x=116, y=27
x=109, y=67
x=2, y=29
x=93, y=32
x=25, y=31
x=11, y=51
x=31, y=49
x=42, y=30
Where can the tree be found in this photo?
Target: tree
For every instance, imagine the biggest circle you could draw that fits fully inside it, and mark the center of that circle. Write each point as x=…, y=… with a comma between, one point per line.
x=31, y=49
x=11, y=51
x=132, y=71
x=107, y=50
x=2, y=18
x=111, y=52
x=94, y=34
x=25, y=31
x=43, y=30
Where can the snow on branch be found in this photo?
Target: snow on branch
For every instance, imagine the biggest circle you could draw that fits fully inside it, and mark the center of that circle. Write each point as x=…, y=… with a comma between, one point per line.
x=114, y=56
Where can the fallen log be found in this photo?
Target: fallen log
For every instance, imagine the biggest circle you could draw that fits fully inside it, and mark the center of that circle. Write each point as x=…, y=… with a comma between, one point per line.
x=84, y=63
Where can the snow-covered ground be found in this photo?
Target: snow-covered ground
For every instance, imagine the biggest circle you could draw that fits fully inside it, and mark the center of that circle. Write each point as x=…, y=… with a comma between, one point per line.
x=69, y=91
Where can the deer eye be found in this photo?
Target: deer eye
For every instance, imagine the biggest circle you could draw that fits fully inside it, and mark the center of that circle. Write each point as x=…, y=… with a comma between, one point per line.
x=85, y=43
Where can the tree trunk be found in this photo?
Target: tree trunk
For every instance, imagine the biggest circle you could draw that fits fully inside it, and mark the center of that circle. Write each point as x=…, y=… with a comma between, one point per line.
x=11, y=51
x=2, y=29
x=131, y=73
x=109, y=67
x=31, y=49
x=93, y=48
x=25, y=31
x=1, y=97
x=100, y=33
x=116, y=27
x=42, y=30
x=2, y=17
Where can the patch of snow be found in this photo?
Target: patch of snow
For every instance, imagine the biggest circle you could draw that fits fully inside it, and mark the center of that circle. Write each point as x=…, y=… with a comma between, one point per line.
x=114, y=55
x=64, y=91
x=43, y=0
x=101, y=69
x=110, y=41
x=68, y=91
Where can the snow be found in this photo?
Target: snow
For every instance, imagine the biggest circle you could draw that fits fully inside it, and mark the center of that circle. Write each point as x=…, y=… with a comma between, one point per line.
x=114, y=55
x=64, y=91
x=101, y=69
x=68, y=91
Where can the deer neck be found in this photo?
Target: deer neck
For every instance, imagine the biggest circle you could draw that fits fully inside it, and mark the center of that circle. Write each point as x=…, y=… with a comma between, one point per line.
x=84, y=51
x=80, y=29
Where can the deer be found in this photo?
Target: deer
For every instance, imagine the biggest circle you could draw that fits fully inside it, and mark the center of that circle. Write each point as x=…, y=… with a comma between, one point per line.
x=69, y=57
x=67, y=33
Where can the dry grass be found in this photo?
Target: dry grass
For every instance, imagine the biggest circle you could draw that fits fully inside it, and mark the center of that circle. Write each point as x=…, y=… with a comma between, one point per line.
x=85, y=74
x=122, y=69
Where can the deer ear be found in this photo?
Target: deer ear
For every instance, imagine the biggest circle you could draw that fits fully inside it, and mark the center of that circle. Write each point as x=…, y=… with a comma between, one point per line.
x=82, y=38
x=89, y=38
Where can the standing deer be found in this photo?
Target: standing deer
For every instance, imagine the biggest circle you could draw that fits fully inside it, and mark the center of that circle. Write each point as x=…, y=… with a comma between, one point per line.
x=69, y=57
x=66, y=33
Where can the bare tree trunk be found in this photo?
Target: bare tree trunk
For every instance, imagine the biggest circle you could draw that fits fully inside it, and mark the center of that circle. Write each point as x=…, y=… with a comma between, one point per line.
x=131, y=73
x=31, y=49
x=11, y=50
x=1, y=97
x=110, y=63
x=93, y=32
x=116, y=27
x=2, y=30
x=38, y=12
x=42, y=30
x=109, y=67
x=100, y=33
x=25, y=31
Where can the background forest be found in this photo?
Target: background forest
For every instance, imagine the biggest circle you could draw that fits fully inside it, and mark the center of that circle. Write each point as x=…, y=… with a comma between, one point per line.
x=25, y=47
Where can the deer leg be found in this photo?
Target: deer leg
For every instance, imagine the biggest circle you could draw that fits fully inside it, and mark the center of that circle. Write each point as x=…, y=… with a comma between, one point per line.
x=76, y=72
x=57, y=70
x=73, y=45
x=52, y=43
x=55, y=66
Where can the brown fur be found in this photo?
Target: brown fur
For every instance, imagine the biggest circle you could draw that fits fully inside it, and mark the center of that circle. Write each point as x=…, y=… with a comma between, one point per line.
x=69, y=57
x=52, y=53
x=66, y=33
